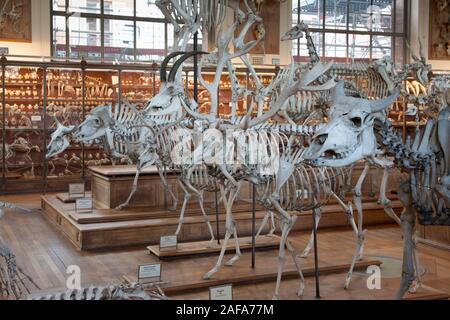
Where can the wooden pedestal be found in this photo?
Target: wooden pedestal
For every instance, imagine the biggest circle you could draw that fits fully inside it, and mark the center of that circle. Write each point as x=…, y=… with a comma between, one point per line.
x=106, y=228
x=111, y=186
x=203, y=247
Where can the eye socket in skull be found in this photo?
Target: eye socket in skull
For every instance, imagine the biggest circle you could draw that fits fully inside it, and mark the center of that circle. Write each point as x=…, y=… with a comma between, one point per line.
x=357, y=121
x=321, y=139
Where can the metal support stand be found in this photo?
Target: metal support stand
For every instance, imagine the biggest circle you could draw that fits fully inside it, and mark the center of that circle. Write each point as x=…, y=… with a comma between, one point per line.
x=165, y=187
x=316, y=257
x=217, y=218
x=253, y=226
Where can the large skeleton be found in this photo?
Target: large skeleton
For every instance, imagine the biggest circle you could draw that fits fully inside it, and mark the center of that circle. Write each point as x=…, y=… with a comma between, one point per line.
x=358, y=129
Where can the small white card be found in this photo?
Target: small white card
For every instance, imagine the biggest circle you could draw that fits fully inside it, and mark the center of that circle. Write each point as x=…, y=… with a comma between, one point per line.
x=36, y=118
x=168, y=242
x=83, y=204
x=221, y=292
x=76, y=190
x=149, y=272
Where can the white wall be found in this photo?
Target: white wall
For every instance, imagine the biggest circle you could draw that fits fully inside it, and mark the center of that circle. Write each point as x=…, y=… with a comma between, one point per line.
x=40, y=45
x=420, y=29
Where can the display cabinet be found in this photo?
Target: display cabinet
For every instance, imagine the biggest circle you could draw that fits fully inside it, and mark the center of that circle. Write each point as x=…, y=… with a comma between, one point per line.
x=36, y=94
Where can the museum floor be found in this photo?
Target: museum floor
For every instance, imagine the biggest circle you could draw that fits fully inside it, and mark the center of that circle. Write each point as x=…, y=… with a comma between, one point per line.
x=45, y=254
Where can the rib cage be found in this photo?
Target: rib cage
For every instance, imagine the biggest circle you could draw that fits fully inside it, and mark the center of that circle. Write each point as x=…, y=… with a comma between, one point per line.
x=361, y=79
x=307, y=187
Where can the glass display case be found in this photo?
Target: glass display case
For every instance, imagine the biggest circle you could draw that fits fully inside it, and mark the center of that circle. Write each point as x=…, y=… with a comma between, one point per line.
x=36, y=94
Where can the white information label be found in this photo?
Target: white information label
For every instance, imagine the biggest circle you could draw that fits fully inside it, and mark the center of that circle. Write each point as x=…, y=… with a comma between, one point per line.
x=168, y=242
x=147, y=271
x=221, y=293
x=36, y=118
x=83, y=204
x=76, y=190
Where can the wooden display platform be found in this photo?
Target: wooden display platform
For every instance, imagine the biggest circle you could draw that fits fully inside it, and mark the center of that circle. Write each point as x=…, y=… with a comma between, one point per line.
x=105, y=228
x=241, y=273
x=202, y=248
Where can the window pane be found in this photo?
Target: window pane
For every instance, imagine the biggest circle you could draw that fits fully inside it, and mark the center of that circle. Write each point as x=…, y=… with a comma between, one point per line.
x=359, y=13
x=59, y=5
x=336, y=46
x=295, y=11
x=358, y=46
x=311, y=13
x=399, y=15
x=87, y=6
x=381, y=46
x=119, y=7
x=85, y=37
x=381, y=15
x=170, y=37
x=148, y=9
x=59, y=36
x=150, y=40
x=119, y=39
x=336, y=15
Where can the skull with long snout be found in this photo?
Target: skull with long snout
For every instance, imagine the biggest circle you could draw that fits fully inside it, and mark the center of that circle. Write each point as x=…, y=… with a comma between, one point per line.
x=95, y=125
x=349, y=135
x=169, y=99
x=60, y=139
x=296, y=32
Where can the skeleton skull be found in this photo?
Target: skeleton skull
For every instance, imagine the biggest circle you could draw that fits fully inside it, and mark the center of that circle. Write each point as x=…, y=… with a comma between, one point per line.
x=349, y=136
x=295, y=33
x=95, y=125
x=60, y=139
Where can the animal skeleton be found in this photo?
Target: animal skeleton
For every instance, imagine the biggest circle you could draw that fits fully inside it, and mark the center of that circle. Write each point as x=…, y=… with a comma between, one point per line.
x=368, y=135
x=133, y=291
x=21, y=146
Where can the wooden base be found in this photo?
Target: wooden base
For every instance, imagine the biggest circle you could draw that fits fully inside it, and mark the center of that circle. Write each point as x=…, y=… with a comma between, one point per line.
x=245, y=275
x=203, y=248
x=105, y=228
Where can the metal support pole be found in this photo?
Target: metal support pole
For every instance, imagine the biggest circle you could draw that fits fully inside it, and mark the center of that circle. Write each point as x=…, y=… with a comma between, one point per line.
x=217, y=217
x=316, y=257
x=165, y=187
x=253, y=226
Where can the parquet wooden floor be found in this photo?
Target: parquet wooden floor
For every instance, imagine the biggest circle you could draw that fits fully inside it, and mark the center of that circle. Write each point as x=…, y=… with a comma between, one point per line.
x=45, y=254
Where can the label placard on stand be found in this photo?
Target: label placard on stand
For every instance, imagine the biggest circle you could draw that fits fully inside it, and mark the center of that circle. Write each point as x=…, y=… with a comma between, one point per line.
x=76, y=190
x=224, y=292
x=83, y=205
x=168, y=243
x=149, y=273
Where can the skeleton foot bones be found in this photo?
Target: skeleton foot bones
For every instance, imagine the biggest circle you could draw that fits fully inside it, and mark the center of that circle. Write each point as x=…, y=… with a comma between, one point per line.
x=13, y=281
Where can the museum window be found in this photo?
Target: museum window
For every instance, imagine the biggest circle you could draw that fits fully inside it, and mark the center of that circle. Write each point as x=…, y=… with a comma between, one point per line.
x=352, y=30
x=132, y=30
